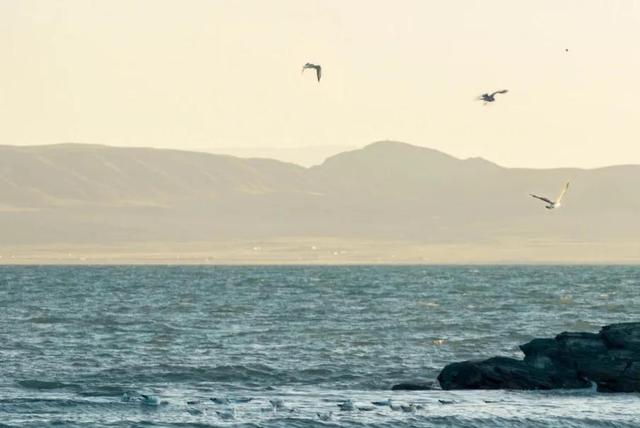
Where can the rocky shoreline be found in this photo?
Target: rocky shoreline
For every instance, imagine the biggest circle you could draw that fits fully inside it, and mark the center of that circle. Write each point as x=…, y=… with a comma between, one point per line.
x=608, y=360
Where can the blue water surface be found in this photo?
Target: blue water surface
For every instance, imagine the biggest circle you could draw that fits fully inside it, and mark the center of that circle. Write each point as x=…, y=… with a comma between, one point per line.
x=79, y=346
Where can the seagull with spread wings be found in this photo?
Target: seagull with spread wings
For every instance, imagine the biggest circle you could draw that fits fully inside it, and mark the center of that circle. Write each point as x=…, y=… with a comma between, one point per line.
x=553, y=204
x=315, y=67
x=489, y=98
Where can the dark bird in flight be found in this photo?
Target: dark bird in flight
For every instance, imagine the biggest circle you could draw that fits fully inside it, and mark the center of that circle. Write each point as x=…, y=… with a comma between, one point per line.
x=314, y=66
x=553, y=204
x=489, y=98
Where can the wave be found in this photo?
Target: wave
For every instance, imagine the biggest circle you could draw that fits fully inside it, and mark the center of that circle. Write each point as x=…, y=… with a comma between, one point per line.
x=47, y=320
x=251, y=374
x=45, y=385
x=104, y=391
x=444, y=421
x=255, y=376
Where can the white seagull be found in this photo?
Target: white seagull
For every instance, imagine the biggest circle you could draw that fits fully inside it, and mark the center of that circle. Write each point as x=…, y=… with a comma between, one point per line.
x=347, y=406
x=276, y=404
x=227, y=415
x=325, y=416
x=315, y=67
x=408, y=408
x=489, y=98
x=149, y=400
x=553, y=204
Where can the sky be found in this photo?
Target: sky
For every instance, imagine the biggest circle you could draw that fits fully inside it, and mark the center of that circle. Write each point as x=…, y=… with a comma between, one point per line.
x=208, y=75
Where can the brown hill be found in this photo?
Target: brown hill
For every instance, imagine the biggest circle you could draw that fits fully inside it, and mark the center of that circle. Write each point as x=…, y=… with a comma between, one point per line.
x=388, y=191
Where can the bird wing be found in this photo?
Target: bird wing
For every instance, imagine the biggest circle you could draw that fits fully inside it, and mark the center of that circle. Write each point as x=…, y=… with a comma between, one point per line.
x=504, y=91
x=319, y=72
x=542, y=198
x=561, y=195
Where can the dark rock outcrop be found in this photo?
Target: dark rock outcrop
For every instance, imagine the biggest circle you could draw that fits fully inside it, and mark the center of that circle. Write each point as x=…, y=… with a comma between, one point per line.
x=610, y=358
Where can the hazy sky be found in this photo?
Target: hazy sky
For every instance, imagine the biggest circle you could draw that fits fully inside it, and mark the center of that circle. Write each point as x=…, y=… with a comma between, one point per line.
x=206, y=74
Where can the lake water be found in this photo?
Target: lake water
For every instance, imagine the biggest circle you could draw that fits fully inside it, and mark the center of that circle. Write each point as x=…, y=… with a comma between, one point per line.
x=78, y=345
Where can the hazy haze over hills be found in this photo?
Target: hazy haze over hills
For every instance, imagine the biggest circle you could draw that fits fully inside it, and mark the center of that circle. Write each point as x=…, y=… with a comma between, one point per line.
x=386, y=202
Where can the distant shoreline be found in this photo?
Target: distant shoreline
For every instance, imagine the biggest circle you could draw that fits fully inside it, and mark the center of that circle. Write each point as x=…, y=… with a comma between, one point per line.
x=325, y=251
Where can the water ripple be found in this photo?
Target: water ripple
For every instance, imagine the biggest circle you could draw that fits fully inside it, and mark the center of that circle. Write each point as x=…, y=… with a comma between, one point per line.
x=75, y=339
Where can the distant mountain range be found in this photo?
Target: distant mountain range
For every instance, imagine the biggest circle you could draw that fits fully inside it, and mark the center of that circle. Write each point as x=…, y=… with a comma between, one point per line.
x=91, y=195
x=305, y=156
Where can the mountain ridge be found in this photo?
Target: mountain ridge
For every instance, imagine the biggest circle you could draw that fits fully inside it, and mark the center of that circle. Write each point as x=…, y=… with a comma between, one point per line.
x=386, y=144
x=386, y=191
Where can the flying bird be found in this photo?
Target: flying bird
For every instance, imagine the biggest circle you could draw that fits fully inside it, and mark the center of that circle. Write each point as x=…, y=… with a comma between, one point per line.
x=315, y=67
x=489, y=98
x=553, y=204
